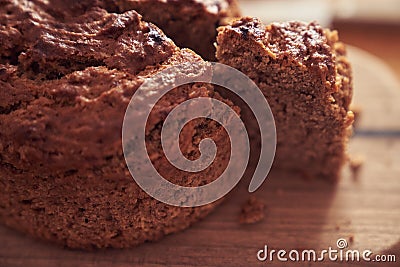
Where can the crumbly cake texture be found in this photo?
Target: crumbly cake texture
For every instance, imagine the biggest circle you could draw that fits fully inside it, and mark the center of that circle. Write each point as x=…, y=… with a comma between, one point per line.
x=66, y=78
x=303, y=72
x=189, y=23
x=253, y=211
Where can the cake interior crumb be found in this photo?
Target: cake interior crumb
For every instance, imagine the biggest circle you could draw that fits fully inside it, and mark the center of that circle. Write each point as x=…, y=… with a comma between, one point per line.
x=355, y=164
x=253, y=211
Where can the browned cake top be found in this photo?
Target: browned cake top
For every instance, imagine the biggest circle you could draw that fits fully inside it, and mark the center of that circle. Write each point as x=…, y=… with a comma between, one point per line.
x=190, y=23
x=49, y=47
x=65, y=85
x=300, y=42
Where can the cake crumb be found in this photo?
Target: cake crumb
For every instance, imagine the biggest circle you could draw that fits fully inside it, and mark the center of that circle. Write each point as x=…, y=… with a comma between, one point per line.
x=351, y=239
x=355, y=164
x=253, y=211
x=357, y=111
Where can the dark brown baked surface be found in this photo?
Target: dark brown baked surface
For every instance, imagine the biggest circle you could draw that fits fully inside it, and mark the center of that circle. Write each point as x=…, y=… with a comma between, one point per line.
x=189, y=23
x=66, y=78
x=303, y=72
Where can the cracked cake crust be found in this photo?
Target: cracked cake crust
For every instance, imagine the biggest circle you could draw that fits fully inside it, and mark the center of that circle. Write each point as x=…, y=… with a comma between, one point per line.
x=190, y=23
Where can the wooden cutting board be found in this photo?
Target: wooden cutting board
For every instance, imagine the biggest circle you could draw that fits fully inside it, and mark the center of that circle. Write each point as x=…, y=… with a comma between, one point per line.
x=300, y=214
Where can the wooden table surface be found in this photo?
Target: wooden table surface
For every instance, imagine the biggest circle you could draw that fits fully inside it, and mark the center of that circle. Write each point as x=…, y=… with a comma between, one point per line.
x=300, y=214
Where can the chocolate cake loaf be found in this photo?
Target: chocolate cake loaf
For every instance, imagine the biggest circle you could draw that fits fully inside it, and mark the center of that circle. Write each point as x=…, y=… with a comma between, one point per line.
x=190, y=24
x=303, y=72
x=67, y=73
